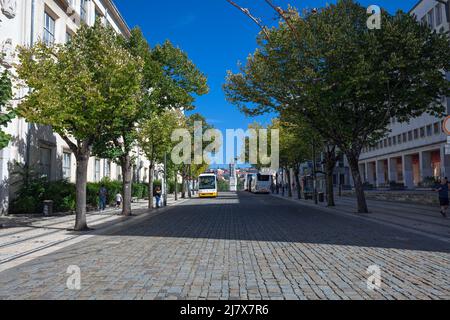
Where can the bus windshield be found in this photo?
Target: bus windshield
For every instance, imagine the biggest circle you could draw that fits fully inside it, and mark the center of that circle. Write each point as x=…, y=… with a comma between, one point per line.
x=207, y=183
x=263, y=177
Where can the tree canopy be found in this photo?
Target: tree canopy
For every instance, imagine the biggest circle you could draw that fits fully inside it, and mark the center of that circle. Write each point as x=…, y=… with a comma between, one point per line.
x=345, y=80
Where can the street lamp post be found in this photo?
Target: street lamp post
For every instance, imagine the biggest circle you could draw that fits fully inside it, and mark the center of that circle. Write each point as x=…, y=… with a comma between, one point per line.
x=165, y=180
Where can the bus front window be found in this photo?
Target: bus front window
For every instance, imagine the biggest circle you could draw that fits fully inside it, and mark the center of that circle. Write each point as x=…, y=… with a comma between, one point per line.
x=207, y=183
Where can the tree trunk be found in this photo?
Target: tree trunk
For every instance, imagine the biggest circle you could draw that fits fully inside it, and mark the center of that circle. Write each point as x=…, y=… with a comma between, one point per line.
x=289, y=183
x=277, y=186
x=183, y=183
x=330, y=187
x=176, y=185
x=297, y=181
x=189, y=183
x=150, y=187
x=81, y=176
x=127, y=176
x=359, y=188
x=330, y=164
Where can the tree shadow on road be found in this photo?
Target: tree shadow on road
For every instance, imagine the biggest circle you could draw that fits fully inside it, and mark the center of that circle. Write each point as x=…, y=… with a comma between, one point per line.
x=247, y=217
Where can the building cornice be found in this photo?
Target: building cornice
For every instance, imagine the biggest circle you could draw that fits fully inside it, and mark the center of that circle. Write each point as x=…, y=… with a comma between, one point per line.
x=415, y=6
x=112, y=9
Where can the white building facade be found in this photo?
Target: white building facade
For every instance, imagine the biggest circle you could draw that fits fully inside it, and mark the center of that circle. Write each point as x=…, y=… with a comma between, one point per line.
x=413, y=152
x=22, y=23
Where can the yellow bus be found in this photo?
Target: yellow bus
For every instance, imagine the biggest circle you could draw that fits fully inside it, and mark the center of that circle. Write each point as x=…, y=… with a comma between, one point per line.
x=207, y=186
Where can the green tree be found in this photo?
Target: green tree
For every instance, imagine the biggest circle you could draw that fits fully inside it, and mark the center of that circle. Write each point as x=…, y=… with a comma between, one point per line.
x=344, y=80
x=188, y=169
x=170, y=81
x=5, y=118
x=83, y=89
x=118, y=144
x=154, y=137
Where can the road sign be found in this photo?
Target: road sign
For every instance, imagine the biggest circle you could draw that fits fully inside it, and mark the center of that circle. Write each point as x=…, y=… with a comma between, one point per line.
x=446, y=125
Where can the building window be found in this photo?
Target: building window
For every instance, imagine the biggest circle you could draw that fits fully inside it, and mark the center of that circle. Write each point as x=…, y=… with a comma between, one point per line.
x=429, y=130
x=83, y=11
x=416, y=134
x=399, y=139
x=99, y=15
x=424, y=20
x=394, y=140
x=405, y=137
x=49, y=29
x=410, y=136
x=45, y=156
x=97, y=170
x=438, y=11
x=68, y=36
x=422, y=132
x=107, y=169
x=385, y=143
x=390, y=142
x=430, y=18
x=67, y=165
x=437, y=128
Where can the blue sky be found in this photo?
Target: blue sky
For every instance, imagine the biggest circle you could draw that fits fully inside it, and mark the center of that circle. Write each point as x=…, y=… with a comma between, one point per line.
x=216, y=36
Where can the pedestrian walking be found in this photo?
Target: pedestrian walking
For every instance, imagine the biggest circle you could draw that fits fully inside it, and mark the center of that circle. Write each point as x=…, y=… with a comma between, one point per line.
x=119, y=200
x=442, y=189
x=102, y=195
x=157, y=195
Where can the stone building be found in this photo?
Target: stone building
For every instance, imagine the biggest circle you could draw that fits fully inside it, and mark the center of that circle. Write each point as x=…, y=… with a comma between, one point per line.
x=22, y=23
x=413, y=152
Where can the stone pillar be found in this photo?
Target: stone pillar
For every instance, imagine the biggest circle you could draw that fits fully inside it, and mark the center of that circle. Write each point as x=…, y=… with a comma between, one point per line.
x=445, y=163
x=408, y=171
x=363, y=170
x=392, y=170
x=380, y=168
x=370, y=168
x=425, y=165
x=4, y=176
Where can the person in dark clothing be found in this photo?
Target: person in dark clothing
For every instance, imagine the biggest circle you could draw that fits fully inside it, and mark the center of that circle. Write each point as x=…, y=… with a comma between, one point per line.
x=442, y=189
x=103, y=194
x=157, y=195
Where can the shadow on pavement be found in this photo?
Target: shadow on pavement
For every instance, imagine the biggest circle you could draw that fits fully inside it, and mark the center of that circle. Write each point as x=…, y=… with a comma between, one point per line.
x=244, y=216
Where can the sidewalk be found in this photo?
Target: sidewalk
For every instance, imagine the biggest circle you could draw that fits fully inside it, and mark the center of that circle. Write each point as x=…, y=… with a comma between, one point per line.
x=420, y=219
x=27, y=237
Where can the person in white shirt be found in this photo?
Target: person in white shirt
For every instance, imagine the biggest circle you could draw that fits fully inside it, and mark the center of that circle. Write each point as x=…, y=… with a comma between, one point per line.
x=119, y=200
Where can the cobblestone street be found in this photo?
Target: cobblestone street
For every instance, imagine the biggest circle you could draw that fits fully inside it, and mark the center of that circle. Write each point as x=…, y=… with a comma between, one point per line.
x=241, y=247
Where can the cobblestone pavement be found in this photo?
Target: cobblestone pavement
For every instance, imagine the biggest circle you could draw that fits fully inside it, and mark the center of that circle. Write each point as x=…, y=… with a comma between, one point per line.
x=241, y=247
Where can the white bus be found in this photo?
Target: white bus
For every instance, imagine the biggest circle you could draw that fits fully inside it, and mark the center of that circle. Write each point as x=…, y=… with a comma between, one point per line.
x=261, y=183
x=207, y=186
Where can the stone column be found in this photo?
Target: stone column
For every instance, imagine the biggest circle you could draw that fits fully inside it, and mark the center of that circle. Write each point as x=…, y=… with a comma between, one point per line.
x=425, y=165
x=4, y=176
x=370, y=168
x=408, y=171
x=445, y=163
x=363, y=170
x=380, y=168
x=392, y=170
